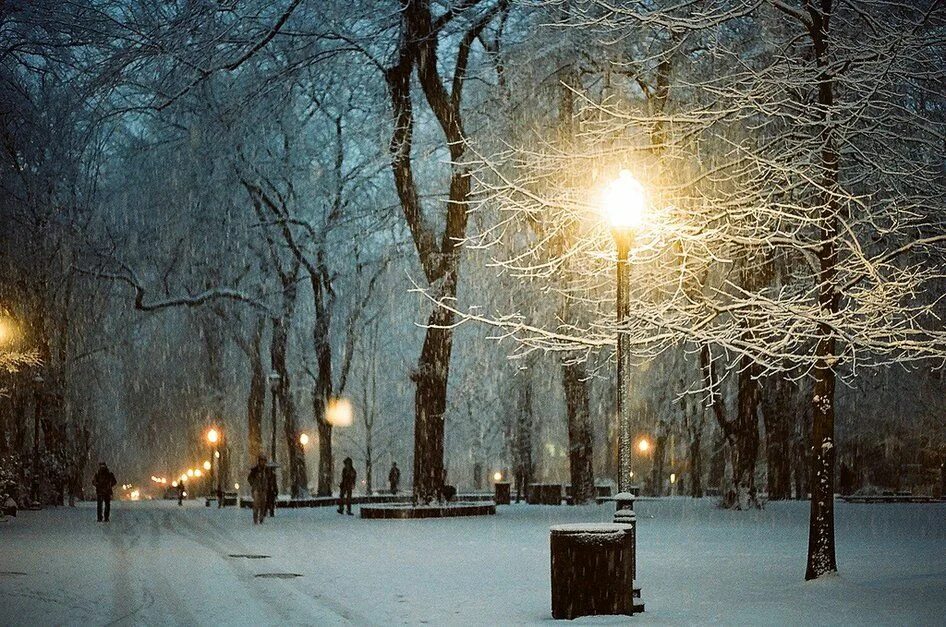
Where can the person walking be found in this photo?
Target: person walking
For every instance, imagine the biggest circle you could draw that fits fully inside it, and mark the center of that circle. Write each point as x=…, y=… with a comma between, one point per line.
x=260, y=488
x=103, y=481
x=394, y=477
x=347, y=485
x=181, y=491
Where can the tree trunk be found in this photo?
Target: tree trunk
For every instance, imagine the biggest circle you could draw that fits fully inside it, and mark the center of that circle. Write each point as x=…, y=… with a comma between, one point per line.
x=574, y=379
x=323, y=389
x=256, y=400
x=778, y=405
x=522, y=438
x=744, y=440
x=430, y=404
x=296, y=467
x=821, y=553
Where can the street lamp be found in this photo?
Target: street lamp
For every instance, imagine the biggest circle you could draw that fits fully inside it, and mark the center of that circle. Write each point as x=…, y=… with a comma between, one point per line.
x=274, y=382
x=213, y=437
x=624, y=204
x=303, y=438
x=37, y=404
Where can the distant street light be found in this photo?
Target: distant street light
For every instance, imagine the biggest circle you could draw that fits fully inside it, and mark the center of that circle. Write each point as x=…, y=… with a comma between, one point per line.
x=643, y=445
x=213, y=436
x=498, y=476
x=190, y=472
x=303, y=438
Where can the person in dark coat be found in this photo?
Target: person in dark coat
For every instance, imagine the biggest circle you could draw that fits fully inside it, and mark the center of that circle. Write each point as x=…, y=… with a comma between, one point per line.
x=259, y=485
x=103, y=481
x=347, y=485
x=181, y=491
x=272, y=490
x=394, y=477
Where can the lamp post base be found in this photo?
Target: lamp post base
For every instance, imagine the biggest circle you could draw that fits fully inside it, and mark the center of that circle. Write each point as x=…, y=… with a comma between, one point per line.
x=624, y=514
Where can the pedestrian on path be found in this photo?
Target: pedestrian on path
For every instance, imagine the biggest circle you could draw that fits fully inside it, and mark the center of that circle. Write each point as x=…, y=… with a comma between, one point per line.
x=394, y=477
x=259, y=487
x=181, y=493
x=103, y=481
x=348, y=484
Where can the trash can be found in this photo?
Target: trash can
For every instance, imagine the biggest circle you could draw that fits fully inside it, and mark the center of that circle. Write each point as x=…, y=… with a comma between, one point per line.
x=592, y=569
x=502, y=493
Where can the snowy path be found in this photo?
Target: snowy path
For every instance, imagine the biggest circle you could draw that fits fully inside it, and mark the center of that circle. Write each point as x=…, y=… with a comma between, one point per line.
x=156, y=563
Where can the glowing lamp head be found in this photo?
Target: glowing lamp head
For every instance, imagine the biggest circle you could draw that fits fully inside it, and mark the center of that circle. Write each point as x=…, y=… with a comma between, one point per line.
x=339, y=412
x=303, y=438
x=498, y=476
x=207, y=465
x=190, y=472
x=174, y=484
x=212, y=436
x=236, y=486
x=643, y=445
x=673, y=478
x=183, y=478
x=198, y=472
x=624, y=202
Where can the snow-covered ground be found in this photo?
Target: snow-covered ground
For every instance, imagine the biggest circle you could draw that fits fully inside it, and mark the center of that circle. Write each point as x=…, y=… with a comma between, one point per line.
x=156, y=563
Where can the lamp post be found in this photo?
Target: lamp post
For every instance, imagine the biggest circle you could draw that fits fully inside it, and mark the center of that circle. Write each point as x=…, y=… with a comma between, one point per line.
x=274, y=382
x=624, y=203
x=37, y=404
x=213, y=436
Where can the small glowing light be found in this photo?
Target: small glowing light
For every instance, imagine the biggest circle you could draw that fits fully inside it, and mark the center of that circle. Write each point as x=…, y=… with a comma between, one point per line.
x=643, y=445
x=184, y=493
x=217, y=454
x=498, y=476
x=135, y=495
x=183, y=477
x=207, y=465
x=339, y=412
x=236, y=486
x=303, y=438
x=624, y=202
x=673, y=478
x=632, y=474
x=174, y=484
x=198, y=472
x=190, y=472
x=212, y=436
